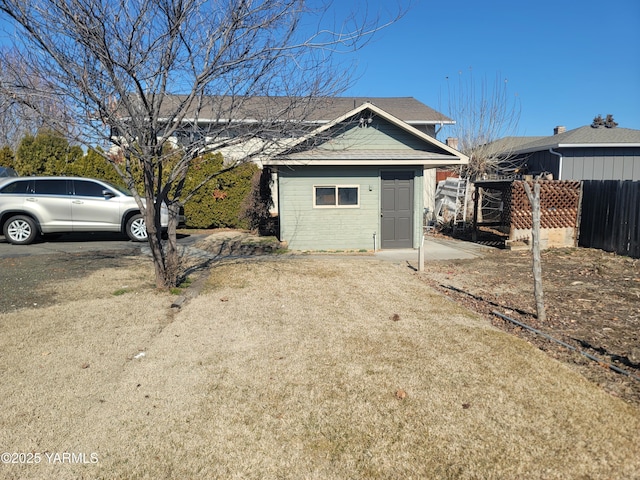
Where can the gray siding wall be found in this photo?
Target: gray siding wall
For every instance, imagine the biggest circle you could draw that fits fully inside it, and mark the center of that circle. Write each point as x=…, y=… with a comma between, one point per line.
x=304, y=227
x=379, y=135
x=543, y=162
x=589, y=163
x=601, y=164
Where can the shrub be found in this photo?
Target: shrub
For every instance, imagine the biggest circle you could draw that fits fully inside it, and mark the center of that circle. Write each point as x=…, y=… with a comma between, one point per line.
x=47, y=153
x=94, y=165
x=219, y=203
x=7, y=158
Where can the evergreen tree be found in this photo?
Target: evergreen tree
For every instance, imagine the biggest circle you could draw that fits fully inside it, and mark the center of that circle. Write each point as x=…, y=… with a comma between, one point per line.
x=94, y=165
x=7, y=158
x=46, y=153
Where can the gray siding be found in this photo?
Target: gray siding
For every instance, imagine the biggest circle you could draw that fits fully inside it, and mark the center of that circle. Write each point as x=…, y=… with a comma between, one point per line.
x=601, y=164
x=589, y=163
x=379, y=135
x=304, y=227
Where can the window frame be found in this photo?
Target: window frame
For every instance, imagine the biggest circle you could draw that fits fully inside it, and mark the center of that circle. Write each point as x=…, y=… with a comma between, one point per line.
x=336, y=188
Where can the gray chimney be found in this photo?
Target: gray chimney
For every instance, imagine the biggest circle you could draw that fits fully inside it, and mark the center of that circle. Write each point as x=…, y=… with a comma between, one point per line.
x=452, y=142
x=559, y=129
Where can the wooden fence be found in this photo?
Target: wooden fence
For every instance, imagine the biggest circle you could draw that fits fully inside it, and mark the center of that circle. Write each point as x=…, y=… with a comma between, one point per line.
x=610, y=216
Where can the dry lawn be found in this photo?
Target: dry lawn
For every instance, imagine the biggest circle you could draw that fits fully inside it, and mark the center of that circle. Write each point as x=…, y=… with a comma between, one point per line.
x=294, y=368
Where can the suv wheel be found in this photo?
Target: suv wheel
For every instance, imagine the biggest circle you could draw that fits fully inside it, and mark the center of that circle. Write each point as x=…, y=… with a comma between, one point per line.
x=136, y=228
x=20, y=230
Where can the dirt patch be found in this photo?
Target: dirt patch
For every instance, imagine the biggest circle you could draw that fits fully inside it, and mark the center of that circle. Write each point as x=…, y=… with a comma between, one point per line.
x=592, y=301
x=23, y=278
x=38, y=281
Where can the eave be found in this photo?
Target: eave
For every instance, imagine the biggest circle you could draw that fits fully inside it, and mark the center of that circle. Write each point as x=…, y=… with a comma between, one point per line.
x=543, y=148
x=367, y=158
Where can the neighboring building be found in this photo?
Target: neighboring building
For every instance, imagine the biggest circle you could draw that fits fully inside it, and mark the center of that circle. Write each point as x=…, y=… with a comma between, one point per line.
x=585, y=153
x=361, y=187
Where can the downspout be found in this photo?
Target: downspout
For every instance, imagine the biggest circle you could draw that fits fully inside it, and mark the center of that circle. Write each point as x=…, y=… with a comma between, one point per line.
x=559, y=162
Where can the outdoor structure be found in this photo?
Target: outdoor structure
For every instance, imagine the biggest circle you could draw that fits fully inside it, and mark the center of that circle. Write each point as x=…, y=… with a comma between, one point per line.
x=358, y=181
x=559, y=212
x=592, y=152
x=219, y=127
x=346, y=173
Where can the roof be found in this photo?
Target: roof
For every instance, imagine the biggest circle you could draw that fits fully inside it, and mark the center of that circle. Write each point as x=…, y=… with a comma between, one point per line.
x=579, y=137
x=407, y=109
x=447, y=156
x=318, y=110
x=512, y=143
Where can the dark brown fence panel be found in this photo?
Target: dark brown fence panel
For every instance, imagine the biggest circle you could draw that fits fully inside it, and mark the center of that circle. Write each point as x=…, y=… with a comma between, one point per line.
x=610, y=217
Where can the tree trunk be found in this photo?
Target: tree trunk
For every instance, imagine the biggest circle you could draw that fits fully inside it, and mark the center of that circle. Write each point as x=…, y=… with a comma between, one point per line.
x=172, y=265
x=165, y=259
x=534, y=200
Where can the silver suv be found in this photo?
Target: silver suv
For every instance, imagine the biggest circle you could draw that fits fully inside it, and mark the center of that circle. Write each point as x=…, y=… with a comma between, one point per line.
x=30, y=206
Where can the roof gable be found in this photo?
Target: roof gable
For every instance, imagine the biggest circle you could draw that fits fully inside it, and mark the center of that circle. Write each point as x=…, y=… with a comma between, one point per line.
x=380, y=134
x=348, y=138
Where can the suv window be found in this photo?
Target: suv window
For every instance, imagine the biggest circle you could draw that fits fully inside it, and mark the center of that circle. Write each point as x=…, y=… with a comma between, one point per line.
x=20, y=186
x=87, y=188
x=51, y=187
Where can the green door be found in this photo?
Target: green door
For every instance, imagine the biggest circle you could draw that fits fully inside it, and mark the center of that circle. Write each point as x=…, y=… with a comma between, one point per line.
x=397, y=209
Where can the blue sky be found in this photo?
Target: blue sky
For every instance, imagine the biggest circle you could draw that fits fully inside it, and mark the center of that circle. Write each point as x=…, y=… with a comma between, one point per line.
x=566, y=60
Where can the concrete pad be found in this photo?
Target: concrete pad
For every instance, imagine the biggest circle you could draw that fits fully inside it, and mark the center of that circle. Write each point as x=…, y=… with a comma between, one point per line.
x=435, y=249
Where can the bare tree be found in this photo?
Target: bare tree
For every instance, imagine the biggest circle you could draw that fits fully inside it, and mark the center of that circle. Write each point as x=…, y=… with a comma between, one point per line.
x=145, y=75
x=534, y=200
x=24, y=116
x=484, y=113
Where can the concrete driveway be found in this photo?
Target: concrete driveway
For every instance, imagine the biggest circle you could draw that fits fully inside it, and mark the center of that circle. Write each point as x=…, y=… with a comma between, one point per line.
x=81, y=243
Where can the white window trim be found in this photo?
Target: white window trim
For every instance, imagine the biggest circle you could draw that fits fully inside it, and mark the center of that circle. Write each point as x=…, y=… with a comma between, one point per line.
x=336, y=187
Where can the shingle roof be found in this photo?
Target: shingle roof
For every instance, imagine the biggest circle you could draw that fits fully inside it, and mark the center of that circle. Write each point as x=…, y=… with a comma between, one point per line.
x=322, y=110
x=407, y=109
x=512, y=143
x=581, y=137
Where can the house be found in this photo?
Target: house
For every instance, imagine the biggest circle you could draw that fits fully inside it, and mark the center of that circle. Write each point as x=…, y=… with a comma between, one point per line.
x=592, y=152
x=347, y=173
x=357, y=182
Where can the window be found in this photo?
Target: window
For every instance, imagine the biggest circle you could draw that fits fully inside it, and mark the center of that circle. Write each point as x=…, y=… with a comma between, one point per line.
x=20, y=186
x=336, y=196
x=51, y=187
x=86, y=188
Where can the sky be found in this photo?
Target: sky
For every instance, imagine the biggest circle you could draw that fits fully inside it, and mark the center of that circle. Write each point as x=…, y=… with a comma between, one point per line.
x=565, y=61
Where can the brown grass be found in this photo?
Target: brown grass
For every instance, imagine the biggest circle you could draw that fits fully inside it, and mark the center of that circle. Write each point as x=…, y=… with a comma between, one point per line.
x=293, y=369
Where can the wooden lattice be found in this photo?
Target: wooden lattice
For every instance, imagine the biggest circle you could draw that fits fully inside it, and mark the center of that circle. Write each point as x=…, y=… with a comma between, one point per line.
x=559, y=203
